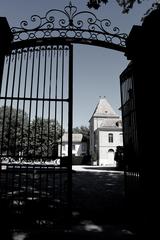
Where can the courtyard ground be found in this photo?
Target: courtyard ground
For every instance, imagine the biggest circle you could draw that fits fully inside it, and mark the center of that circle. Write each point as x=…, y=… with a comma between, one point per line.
x=98, y=208
x=99, y=203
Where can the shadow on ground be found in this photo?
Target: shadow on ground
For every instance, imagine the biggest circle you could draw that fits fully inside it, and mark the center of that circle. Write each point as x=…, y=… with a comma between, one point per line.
x=98, y=209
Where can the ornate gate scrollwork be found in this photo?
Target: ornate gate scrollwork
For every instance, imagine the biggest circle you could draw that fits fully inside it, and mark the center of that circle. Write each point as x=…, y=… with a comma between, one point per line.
x=70, y=25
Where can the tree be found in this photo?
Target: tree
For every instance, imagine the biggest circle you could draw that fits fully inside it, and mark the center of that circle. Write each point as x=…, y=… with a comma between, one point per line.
x=83, y=129
x=95, y=3
x=43, y=136
x=13, y=130
x=125, y=4
x=31, y=139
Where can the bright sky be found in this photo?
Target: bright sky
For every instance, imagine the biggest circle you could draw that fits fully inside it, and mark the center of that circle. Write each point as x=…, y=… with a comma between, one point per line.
x=96, y=70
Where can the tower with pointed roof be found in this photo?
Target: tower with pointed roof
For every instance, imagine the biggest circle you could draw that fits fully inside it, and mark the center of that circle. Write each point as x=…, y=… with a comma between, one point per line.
x=105, y=134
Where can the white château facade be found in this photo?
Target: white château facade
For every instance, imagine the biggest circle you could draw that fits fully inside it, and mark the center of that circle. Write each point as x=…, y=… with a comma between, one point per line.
x=105, y=134
x=79, y=145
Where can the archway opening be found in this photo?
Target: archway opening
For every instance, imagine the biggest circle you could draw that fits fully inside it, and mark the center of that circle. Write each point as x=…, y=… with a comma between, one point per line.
x=96, y=76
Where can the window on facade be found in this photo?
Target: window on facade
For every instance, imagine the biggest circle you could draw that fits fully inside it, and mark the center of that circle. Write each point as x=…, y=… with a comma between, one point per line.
x=110, y=137
x=63, y=147
x=127, y=90
x=73, y=147
x=110, y=150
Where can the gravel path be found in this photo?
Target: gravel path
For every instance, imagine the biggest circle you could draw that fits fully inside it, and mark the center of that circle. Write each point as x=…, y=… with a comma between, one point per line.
x=98, y=208
x=98, y=194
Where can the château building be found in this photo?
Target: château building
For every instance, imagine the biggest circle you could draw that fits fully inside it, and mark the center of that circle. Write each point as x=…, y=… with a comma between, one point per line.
x=105, y=134
x=79, y=145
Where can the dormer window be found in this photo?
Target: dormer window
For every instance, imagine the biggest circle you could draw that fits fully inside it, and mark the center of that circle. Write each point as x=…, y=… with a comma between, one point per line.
x=119, y=124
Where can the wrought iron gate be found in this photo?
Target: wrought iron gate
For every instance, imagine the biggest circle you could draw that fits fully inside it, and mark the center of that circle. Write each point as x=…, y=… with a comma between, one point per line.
x=35, y=108
x=36, y=98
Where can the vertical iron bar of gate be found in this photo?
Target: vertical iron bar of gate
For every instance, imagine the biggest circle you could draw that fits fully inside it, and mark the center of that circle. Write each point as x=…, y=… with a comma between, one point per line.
x=2, y=59
x=5, y=41
x=124, y=159
x=70, y=125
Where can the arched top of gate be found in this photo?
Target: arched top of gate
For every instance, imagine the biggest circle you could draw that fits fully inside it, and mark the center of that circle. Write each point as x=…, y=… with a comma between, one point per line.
x=69, y=26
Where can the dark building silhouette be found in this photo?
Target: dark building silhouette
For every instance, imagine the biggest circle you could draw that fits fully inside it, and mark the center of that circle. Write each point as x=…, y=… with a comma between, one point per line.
x=139, y=93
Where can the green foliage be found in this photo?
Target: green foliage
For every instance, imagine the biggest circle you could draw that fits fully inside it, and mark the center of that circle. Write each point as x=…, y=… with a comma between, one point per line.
x=13, y=130
x=34, y=139
x=155, y=6
x=125, y=4
x=43, y=138
x=95, y=3
x=83, y=129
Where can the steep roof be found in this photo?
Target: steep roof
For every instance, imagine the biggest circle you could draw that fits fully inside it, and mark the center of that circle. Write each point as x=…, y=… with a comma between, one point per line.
x=76, y=137
x=104, y=109
x=111, y=122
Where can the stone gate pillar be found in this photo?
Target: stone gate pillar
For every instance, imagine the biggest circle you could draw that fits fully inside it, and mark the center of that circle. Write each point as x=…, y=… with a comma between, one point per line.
x=143, y=50
x=5, y=41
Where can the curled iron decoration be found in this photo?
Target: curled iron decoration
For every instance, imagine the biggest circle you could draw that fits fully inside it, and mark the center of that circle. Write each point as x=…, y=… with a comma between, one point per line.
x=69, y=23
